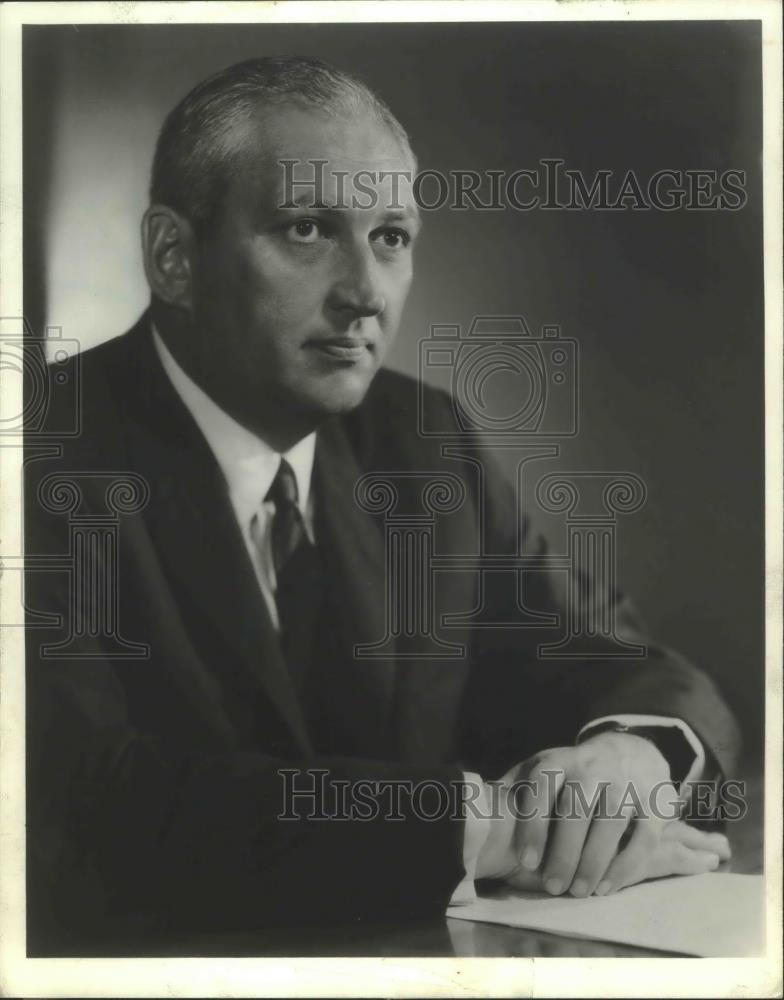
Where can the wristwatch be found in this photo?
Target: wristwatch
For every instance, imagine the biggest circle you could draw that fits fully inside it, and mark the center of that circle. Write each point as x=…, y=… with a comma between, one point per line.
x=668, y=740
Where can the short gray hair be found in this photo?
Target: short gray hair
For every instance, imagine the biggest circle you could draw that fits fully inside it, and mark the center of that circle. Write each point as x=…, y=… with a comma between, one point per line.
x=194, y=151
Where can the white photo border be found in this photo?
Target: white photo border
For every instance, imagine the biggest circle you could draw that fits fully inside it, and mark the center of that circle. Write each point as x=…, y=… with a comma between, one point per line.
x=389, y=977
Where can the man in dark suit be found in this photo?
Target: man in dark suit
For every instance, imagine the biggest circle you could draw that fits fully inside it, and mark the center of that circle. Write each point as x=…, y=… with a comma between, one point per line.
x=202, y=784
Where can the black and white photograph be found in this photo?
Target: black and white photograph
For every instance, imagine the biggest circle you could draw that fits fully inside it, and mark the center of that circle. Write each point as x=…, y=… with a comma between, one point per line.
x=391, y=452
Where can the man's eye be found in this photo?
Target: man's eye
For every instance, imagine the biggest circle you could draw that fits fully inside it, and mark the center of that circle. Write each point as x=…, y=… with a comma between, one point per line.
x=394, y=239
x=305, y=231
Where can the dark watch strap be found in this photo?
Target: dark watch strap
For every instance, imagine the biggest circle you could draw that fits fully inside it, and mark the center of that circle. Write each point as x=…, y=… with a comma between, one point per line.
x=668, y=740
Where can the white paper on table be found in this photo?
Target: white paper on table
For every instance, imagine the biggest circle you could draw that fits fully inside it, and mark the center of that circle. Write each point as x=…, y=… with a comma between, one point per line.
x=716, y=915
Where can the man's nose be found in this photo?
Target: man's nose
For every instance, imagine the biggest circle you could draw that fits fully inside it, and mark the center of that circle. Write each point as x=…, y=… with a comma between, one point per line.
x=357, y=290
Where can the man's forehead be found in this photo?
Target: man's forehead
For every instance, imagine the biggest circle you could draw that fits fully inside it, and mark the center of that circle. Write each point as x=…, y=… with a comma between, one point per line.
x=331, y=154
x=308, y=133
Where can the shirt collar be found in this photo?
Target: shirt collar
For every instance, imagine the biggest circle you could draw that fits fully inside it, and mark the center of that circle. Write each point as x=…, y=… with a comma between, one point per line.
x=248, y=464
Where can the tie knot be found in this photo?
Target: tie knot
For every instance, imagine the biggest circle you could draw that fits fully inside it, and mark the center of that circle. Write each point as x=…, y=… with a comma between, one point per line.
x=284, y=486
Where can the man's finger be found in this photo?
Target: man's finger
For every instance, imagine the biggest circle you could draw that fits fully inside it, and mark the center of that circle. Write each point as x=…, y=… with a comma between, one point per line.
x=633, y=862
x=600, y=848
x=576, y=804
x=527, y=881
x=536, y=802
x=674, y=858
x=699, y=840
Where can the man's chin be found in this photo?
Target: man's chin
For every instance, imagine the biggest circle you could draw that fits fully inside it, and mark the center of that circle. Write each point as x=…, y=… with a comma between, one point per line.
x=340, y=392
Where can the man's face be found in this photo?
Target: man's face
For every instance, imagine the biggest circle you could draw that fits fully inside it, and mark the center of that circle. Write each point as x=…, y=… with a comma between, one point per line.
x=294, y=308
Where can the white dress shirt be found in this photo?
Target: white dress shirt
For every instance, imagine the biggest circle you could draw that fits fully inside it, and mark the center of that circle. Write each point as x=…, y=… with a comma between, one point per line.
x=249, y=467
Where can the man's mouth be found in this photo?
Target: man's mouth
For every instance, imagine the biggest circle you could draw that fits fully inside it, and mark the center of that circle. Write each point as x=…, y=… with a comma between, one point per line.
x=343, y=348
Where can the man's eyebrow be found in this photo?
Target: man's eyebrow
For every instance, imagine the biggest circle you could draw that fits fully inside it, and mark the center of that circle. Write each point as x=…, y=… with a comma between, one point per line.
x=406, y=214
x=304, y=200
x=400, y=213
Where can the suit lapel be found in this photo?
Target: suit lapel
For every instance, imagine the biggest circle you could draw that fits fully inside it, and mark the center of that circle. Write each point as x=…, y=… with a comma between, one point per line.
x=352, y=544
x=195, y=531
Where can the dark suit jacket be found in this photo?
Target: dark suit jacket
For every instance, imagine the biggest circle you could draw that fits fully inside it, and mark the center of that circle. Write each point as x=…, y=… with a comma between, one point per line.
x=154, y=785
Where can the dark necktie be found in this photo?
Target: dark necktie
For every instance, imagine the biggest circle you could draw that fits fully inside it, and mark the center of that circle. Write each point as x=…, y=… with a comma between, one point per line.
x=297, y=572
x=288, y=525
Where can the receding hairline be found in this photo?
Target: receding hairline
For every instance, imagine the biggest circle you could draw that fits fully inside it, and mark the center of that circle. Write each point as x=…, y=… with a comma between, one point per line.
x=262, y=132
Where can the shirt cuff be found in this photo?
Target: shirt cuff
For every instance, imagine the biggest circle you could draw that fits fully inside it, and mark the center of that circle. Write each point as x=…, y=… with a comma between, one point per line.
x=697, y=769
x=475, y=832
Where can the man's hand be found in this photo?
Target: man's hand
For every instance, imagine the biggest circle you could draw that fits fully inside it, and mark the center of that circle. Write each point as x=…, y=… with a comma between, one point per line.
x=577, y=803
x=682, y=850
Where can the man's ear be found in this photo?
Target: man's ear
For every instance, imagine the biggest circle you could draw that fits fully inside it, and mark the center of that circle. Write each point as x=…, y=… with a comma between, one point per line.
x=167, y=245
